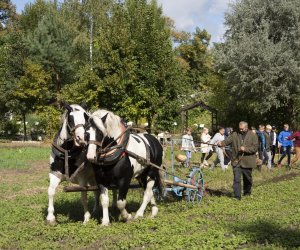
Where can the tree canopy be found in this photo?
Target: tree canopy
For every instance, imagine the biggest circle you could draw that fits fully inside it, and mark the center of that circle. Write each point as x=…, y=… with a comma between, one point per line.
x=260, y=58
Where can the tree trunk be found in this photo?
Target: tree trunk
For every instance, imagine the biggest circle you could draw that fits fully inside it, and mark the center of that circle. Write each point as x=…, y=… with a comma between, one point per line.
x=149, y=120
x=24, y=126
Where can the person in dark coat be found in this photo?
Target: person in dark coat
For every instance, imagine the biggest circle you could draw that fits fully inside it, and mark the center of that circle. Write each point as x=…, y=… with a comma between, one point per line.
x=244, y=147
x=227, y=158
x=274, y=143
x=263, y=145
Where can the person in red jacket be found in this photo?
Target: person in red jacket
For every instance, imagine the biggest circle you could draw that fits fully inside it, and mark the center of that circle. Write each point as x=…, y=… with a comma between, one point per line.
x=296, y=139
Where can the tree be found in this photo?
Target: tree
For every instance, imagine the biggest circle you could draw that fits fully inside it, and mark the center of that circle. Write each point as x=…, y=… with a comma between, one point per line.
x=260, y=57
x=156, y=79
x=30, y=91
x=194, y=51
x=51, y=45
x=7, y=13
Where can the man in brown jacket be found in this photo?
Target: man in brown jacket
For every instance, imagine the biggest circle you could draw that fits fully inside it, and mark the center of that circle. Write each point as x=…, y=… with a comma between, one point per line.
x=244, y=147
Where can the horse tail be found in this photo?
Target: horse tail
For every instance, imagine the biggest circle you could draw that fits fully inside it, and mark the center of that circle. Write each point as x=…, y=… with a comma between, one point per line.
x=159, y=183
x=156, y=157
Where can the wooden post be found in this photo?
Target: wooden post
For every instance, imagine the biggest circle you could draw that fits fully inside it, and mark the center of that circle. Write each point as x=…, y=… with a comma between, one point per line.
x=180, y=184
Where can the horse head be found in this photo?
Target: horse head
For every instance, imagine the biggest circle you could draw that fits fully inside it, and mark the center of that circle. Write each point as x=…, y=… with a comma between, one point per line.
x=75, y=121
x=95, y=135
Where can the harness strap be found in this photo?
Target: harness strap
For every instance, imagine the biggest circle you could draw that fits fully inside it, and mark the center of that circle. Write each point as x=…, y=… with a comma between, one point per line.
x=94, y=142
x=147, y=148
x=75, y=127
x=66, y=153
x=107, y=147
x=79, y=169
x=145, y=162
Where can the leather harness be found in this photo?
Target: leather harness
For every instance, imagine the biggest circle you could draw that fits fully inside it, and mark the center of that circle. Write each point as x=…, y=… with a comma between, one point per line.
x=64, y=154
x=111, y=155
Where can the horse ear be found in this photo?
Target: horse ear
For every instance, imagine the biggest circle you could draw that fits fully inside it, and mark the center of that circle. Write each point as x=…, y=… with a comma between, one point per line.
x=86, y=116
x=84, y=105
x=67, y=107
x=104, y=118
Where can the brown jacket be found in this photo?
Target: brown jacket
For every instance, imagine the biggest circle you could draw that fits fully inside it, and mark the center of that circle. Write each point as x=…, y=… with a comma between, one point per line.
x=248, y=159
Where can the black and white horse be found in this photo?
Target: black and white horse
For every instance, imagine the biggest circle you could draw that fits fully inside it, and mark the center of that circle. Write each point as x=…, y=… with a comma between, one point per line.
x=71, y=138
x=114, y=167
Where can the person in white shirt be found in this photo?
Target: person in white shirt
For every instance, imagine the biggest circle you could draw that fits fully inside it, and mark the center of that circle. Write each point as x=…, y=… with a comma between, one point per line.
x=219, y=137
x=188, y=145
x=206, y=149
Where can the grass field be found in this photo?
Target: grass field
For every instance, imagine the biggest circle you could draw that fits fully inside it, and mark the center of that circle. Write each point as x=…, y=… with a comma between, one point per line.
x=269, y=219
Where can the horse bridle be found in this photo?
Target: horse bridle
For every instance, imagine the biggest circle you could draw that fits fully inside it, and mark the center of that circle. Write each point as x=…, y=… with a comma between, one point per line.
x=72, y=129
x=108, y=148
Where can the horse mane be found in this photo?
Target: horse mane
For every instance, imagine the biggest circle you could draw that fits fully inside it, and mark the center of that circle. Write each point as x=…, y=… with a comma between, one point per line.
x=112, y=123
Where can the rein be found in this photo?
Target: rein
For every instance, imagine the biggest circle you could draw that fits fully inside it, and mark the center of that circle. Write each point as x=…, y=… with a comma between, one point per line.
x=108, y=148
x=66, y=152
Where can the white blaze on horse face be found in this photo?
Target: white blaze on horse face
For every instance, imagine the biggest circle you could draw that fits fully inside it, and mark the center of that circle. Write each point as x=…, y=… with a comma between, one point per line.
x=79, y=118
x=92, y=148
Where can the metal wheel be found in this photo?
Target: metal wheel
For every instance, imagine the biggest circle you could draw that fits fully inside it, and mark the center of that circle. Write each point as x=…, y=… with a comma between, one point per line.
x=196, y=179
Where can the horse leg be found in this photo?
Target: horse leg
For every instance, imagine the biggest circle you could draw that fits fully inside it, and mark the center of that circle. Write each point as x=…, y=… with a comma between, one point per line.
x=154, y=208
x=105, y=204
x=115, y=198
x=148, y=194
x=96, y=208
x=84, y=202
x=121, y=203
x=54, y=182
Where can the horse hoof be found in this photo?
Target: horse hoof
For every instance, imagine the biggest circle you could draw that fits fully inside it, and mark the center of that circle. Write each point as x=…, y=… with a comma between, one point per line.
x=105, y=224
x=129, y=218
x=51, y=222
x=154, y=212
x=138, y=216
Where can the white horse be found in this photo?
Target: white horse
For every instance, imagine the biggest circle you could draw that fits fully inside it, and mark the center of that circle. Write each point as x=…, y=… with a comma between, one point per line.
x=71, y=138
x=113, y=165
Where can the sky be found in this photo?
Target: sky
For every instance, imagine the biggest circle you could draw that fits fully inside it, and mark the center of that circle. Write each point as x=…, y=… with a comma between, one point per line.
x=187, y=14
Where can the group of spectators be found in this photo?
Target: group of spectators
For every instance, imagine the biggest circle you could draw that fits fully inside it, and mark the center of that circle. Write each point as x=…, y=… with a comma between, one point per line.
x=246, y=149
x=269, y=143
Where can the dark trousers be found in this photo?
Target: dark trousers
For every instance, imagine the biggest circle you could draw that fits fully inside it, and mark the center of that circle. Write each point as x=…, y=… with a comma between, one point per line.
x=227, y=157
x=285, y=151
x=273, y=149
x=263, y=156
x=247, y=181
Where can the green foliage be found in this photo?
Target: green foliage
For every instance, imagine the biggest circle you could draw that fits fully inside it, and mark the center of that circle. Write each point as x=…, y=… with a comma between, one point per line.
x=260, y=56
x=108, y=54
x=7, y=14
x=50, y=45
x=9, y=128
x=32, y=89
x=49, y=118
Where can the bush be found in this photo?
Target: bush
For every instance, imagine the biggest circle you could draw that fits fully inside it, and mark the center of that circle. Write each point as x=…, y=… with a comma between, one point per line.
x=49, y=121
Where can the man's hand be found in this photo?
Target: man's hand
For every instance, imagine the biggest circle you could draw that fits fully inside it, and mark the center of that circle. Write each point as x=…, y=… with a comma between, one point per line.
x=219, y=143
x=242, y=148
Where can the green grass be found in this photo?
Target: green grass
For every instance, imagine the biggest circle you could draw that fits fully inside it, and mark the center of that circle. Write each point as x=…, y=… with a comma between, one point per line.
x=21, y=157
x=269, y=219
